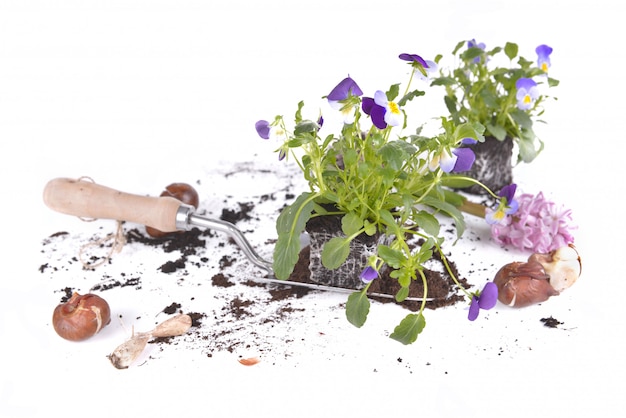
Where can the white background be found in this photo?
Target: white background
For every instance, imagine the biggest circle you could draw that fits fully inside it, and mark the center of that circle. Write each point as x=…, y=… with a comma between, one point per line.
x=134, y=93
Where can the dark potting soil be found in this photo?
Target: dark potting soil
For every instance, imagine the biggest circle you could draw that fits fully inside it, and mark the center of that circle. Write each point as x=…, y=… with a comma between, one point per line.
x=441, y=286
x=440, y=283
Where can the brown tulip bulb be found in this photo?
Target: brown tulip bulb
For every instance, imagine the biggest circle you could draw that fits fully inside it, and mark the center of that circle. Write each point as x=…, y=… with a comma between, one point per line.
x=81, y=317
x=522, y=284
x=563, y=265
x=181, y=191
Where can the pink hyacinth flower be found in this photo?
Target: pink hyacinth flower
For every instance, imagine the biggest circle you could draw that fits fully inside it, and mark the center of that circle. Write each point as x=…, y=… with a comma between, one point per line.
x=538, y=225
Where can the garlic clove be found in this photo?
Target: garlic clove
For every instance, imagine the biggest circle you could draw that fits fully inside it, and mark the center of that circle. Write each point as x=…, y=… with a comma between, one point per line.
x=523, y=284
x=563, y=265
x=177, y=325
x=126, y=353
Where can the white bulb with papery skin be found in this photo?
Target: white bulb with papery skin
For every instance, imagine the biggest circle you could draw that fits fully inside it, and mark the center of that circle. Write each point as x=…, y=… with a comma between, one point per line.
x=563, y=265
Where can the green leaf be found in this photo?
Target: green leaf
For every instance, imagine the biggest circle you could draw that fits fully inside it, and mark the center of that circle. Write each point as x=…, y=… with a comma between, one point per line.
x=290, y=224
x=472, y=53
x=305, y=126
x=369, y=228
x=351, y=223
x=409, y=328
x=456, y=182
x=393, y=92
x=450, y=105
x=298, y=116
x=511, y=49
x=443, y=81
x=466, y=130
x=527, y=149
x=552, y=82
x=350, y=157
x=453, y=198
x=410, y=96
x=522, y=119
x=335, y=252
x=450, y=210
x=427, y=222
x=402, y=294
x=392, y=257
x=498, y=131
x=396, y=152
x=357, y=308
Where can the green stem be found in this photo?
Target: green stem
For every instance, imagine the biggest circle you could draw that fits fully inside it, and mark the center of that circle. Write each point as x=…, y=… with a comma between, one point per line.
x=425, y=283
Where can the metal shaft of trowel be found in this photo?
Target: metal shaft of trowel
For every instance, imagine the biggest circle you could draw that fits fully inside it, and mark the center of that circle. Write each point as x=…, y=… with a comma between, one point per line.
x=186, y=219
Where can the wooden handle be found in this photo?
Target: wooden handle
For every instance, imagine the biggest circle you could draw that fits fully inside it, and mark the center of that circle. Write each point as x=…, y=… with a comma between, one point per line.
x=89, y=200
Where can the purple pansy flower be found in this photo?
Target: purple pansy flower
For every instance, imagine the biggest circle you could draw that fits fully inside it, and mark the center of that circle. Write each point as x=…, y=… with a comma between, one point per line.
x=486, y=300
x=474, y=44
x=382, y=111
x=340, y=94
x=465, y=158
x=346, y=87
x=539, y=226
x=543, y=57
x=274, y=132
x=527, y=93
x=376, y=112
x=457, y=160
x=414, y=58
x=263, y=129
x=508, y=205
x=424, y=67
x=368, y=274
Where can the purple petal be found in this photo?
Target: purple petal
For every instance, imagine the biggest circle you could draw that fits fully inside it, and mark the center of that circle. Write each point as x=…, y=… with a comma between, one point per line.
x=474, y=44
x=543, y=51
x=346, y=87
x=489, y=296
x=367, y=104
x=263, y=129
x=369, y=274
x=465, y=159
x=415, y=58
x=378, y=116
x=473, y=309
x=447, y=161
x=468, y=141
x=490, y=217
x=380, y=98
x=513, y=207
x=525, y=83
x=508, y=192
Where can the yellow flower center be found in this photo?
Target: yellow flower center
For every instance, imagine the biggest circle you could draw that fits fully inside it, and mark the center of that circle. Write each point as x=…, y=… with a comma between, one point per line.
x=394, y=108
x=498, y=215
x=527, y=99
x=544, y=66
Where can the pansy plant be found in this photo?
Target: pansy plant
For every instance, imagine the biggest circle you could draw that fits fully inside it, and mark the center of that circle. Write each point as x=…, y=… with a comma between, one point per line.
x=379, y=179
x=505, y=94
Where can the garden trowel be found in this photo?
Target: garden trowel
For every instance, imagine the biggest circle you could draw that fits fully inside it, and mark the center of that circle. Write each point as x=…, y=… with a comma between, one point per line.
x=86, y=199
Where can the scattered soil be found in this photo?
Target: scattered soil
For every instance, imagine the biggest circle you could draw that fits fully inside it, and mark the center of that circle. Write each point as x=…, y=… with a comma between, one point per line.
x=551, y=322
x=441, y=286
x=231, y=328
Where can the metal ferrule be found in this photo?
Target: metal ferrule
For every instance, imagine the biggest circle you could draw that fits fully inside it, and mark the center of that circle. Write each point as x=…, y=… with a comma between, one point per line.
x=182, y=217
